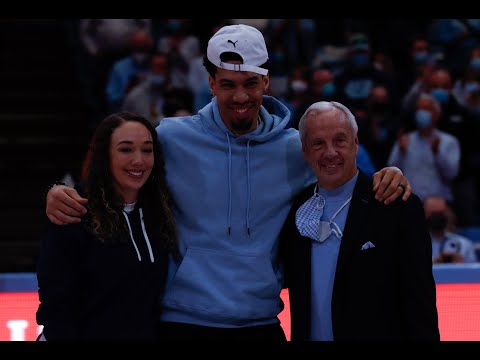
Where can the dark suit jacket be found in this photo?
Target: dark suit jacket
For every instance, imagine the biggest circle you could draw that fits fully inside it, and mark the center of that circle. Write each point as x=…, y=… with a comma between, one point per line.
x=382, y=293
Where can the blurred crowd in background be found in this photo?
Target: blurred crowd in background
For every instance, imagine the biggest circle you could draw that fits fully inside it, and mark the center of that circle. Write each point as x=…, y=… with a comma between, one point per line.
x=412, y=84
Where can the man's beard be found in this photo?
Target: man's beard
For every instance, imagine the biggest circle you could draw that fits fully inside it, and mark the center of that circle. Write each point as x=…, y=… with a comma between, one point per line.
x=241, y=125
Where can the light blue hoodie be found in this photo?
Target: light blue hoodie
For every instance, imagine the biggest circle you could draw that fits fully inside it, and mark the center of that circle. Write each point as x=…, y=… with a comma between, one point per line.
x=231, y=196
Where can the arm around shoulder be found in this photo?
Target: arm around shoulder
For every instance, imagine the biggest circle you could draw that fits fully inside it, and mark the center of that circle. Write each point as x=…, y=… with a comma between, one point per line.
x=64, y=205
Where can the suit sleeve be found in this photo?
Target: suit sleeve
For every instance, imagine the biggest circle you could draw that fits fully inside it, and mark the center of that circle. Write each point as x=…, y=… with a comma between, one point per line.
x=285, y=248
x=415, y=261
x=58, y=275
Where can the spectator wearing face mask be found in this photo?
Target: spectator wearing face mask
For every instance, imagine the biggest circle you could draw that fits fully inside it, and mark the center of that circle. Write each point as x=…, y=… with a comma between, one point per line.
x=429, y=157
x=148, y=97
x=323, y=85
x=278, y=71
x=299, y=96
x=470, y=79
x=182, y=47
x=457, y=121
x=98, y=43
x=454, y=39
x=297, y=37
x=379, y=128
x=410, y=76
x=129, y=69
x=359, y=76
x=447, y=247
x=198, y=76
x=304, y=93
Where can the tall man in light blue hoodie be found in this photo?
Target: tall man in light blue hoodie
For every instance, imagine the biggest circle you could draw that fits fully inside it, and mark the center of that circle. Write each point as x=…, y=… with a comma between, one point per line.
x=233, y=170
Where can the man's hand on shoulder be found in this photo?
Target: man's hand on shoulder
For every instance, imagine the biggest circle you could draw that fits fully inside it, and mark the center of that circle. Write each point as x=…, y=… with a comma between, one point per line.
x=65, y=205
x=390, y=183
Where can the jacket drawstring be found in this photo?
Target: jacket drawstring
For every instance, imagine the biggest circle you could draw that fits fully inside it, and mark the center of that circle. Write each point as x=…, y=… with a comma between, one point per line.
x=147, y=240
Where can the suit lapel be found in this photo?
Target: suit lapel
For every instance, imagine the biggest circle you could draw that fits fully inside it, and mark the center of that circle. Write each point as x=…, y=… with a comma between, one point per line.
x=356, y=228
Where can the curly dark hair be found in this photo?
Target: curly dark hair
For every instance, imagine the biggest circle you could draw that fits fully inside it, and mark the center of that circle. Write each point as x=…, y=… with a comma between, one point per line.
x=104, y=217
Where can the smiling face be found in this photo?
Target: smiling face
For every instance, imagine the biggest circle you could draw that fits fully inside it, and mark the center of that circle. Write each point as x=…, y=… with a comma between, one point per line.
x=239, y=96
x=330, y=147
x=131, y=159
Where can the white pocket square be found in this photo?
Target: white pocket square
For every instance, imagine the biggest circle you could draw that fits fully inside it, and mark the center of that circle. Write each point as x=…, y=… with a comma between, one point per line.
x=368, y=245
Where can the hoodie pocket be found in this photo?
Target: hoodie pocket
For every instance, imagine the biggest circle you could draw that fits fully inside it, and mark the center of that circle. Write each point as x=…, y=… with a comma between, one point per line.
x=225, y=287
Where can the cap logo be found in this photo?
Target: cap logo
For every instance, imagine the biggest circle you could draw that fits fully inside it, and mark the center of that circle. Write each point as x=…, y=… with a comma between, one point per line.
x=233, y=43
x=244, y=40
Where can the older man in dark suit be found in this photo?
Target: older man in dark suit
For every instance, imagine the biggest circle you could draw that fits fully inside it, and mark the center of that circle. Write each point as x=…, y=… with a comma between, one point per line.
x=356, y=269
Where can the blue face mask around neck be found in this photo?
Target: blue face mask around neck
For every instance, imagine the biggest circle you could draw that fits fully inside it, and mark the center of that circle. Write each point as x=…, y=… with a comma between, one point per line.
x=309, y=223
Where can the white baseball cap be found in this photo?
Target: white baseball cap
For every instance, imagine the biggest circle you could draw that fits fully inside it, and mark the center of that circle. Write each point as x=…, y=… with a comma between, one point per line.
x=246, y=41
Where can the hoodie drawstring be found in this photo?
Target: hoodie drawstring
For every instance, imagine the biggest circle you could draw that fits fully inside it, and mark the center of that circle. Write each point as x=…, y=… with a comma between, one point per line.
x=230, y=185
x=147, y=240
x=248, y=188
